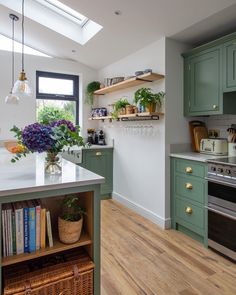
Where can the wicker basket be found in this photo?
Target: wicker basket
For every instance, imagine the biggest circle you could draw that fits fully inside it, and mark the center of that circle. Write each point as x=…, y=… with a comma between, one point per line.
x=74, y=277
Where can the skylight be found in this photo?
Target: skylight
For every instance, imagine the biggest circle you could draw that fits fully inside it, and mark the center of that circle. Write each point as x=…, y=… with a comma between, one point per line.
x=6, y=44
x=65, y=11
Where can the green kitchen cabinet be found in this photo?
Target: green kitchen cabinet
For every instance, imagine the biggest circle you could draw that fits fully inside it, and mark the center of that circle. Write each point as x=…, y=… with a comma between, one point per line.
x=100, y=161
x=229, y=59
x=203, y=89
x=189, y=197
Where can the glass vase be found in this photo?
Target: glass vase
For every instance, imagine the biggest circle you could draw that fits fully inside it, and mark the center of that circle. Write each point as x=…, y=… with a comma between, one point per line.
x=52, y=163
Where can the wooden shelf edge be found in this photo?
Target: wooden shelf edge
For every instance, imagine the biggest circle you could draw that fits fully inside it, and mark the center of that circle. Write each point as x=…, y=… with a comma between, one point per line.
x=58, y=247
x=137, y=115
x=149, y=77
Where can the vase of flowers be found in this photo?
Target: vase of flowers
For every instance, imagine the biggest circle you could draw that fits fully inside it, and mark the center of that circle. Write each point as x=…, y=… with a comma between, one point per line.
x=53, y=139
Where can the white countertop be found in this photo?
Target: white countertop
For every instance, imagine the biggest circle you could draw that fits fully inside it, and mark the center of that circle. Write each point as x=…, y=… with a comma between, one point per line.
x=27, y=175
x=195, y=156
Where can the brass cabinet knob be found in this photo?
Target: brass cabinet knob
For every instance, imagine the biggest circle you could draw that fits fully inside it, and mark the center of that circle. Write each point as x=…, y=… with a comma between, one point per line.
x=188, y=170
x=188, y=210
x=98, y=154
x=188, y=185
x=215, y=107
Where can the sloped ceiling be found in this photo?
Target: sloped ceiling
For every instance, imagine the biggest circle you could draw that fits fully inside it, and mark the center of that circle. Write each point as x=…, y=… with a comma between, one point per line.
x=140, y=23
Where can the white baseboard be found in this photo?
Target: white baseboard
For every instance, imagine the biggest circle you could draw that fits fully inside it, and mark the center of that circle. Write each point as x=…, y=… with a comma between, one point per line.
x=163, y=223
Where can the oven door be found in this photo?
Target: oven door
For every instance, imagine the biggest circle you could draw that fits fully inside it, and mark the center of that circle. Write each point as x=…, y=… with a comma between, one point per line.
x=222, y=218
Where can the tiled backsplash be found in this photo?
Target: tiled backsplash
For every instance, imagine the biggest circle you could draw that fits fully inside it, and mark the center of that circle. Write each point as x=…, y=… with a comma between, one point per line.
x=220, y=122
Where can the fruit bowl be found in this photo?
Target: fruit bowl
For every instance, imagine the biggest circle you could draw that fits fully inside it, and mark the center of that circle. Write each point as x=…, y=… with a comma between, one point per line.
x=13, y=147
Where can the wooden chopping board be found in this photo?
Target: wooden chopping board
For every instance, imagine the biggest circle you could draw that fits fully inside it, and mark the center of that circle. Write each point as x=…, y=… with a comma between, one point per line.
x=199, y=132
x=192, y=125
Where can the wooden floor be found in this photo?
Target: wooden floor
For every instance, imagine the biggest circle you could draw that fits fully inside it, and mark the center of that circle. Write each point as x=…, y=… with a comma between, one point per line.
x=140, y=258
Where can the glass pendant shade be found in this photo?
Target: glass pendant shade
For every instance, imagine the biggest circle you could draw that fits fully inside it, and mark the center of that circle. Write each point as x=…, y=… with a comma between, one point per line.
x=21, y=86
x=11, y=99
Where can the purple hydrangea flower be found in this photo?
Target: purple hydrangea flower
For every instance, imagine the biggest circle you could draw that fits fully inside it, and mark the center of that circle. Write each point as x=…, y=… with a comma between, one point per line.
x=69, y=124
x=37, y=137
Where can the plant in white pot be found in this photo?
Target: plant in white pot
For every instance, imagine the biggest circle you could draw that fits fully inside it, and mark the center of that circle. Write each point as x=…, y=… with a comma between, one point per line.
x=70, y=222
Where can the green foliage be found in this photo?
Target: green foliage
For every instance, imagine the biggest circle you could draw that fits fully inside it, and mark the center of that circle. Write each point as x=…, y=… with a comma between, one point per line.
x=49, y=114
x=91, y=87
x=71, y=211
x=145, y=96
x=120, y=104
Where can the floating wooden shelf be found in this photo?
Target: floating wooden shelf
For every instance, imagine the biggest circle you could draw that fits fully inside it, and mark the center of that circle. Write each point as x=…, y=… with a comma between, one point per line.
x=131, y=117
x=149, y=77
x=58, y=247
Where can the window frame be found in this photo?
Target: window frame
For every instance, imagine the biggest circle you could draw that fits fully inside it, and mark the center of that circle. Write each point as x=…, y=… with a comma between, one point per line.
x=49, y=96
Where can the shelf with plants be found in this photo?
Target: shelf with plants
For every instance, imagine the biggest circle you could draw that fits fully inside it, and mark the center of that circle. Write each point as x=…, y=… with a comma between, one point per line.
x=135, y=81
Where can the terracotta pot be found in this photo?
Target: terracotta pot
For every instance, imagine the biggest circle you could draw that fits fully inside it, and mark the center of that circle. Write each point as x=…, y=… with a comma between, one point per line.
x=151, y=107
x=129, y=109
x=69, y=231
x=122, y=111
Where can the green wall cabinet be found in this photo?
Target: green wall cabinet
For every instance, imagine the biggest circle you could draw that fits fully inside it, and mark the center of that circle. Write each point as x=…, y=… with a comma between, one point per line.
x=189, y=197
x=100, y=161
x=210, y=78
x=229, y=58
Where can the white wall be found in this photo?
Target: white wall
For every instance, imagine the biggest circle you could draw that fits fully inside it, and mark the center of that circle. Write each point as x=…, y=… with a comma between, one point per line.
x=25, y=112
x=139, y=159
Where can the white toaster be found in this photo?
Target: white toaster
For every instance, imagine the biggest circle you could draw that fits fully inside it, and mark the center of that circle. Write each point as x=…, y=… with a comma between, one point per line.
x=214, y=146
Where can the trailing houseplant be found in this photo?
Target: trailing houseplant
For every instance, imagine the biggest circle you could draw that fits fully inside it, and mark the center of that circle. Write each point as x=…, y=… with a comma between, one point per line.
x=119, y=107
x=147, y=99
x=57, y=137
x=91, y=87
x=70, y=222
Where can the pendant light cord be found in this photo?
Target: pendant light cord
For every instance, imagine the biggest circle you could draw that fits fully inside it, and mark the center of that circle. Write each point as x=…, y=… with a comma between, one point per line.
x=23, y=33
x=13, y=51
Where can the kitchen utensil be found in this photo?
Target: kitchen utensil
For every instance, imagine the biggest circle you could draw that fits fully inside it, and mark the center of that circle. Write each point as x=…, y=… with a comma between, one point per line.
x=214, y=146
x=199, y=132
x=192, y=125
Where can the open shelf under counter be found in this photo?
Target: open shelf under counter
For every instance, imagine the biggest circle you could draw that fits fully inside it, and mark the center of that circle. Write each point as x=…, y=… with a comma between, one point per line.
x=57, y=247
x=132, y=117
x=135, y=81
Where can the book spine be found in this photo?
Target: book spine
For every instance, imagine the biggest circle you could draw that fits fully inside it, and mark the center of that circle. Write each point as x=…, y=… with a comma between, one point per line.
x=32, y=229
x=38, y=221
x=14, y=233
x=26, y=229
x=19, y=231
x=49, y=229
x=43, y=229
x=4, y=233
x=9, y=237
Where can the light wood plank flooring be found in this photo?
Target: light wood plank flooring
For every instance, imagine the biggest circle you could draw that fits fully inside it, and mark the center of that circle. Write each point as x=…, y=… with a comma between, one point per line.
x=140, y=258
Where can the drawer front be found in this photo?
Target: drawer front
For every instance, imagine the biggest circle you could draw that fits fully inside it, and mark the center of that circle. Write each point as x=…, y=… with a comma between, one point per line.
x=189, y=213
x=190, y=168
x=191, y=188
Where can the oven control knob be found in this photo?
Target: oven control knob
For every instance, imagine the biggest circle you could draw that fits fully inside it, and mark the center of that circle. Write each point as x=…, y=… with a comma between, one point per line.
x=228, y=171
x=220, y=170
x=213, y=168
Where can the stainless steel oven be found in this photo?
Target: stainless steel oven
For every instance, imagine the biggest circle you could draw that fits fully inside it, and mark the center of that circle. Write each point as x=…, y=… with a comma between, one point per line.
x=222, y=209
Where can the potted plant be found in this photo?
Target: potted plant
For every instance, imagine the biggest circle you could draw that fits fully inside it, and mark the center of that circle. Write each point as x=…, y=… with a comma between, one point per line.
x=119, y=107
x=91, y=87
x=147, y=99
x=70, y=222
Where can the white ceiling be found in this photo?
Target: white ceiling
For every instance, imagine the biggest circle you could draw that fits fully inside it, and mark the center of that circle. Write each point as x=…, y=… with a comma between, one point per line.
x=141, y=23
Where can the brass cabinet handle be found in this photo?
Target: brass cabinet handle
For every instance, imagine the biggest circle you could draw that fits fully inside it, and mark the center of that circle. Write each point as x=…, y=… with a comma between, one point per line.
x=188, y=170
x=188, y=185
x=189, y=210
x=98, y=154
x=215, y=107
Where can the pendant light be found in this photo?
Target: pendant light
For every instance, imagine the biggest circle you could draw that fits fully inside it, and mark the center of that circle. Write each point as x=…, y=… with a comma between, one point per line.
x=21, y=86
x=12, y=98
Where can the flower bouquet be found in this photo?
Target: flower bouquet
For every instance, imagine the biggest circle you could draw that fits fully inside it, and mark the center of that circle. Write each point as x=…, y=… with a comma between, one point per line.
x=57, y=137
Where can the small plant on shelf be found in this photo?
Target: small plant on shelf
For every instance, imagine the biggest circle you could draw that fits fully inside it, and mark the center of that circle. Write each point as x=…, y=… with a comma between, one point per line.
x=119, y=107
x=71, y=220
x=91, y=88
x=147, y=99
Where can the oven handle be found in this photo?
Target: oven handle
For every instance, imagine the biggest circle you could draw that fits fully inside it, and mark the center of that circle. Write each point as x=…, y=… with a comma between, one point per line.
x=220, y=182
x=221, y=213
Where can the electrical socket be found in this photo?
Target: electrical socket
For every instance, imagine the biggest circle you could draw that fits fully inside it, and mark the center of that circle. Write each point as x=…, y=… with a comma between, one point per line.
x=214, y=133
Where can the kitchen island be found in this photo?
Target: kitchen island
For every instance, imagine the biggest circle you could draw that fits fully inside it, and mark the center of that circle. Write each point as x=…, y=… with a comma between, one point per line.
x=26, y=180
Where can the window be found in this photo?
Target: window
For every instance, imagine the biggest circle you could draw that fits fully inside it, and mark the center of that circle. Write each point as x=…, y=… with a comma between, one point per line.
x=58, y=91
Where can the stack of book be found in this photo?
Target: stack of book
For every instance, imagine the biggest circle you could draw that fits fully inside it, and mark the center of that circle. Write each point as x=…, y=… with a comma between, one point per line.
x=25, y=226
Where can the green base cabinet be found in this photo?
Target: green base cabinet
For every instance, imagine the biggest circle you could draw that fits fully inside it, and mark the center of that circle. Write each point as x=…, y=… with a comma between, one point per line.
x=210, y=78
x=100, y=161
x=189, y=197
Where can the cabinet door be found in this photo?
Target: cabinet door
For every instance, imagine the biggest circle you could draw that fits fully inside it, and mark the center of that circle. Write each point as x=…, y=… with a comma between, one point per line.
x=101, y=163
x=205, y=96
x=229, y=63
